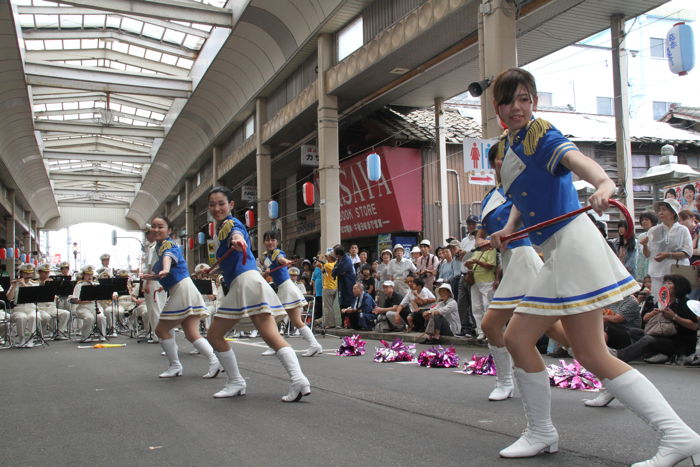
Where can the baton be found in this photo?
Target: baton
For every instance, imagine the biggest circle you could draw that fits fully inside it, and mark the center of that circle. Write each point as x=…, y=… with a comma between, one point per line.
x=523, y=233
x=244, y=249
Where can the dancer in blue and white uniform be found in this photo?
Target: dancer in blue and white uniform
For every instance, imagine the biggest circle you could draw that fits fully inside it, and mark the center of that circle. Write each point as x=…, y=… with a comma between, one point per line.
x=579, y=277
x=184, y=305
x=275, y=261
x=250, y=302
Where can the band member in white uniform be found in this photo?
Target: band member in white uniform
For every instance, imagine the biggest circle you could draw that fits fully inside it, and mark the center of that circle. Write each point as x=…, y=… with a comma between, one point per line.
x=154, y=295
x=104, y=259
x=249, y=301
x=184, y=306
x=276, y=262
x=24, y=315
x=48, y=312
x=85, y=309
x=64, y=300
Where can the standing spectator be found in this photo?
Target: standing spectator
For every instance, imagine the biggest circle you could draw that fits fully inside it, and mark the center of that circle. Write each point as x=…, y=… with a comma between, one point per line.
x=427, y=264
x=383, y=273
x=399, y=268
x=363, y=262
x=688, y=198
x=367, y=280
x=344, y=272
x=483, y=266
x=317, y=286
x=667, y=243
x=415, y=254
x=330, y=291
x=388, y=317
x=647, y=220
x=306, y=272
x=469, y=240
x=354, y=256
x=448, y=268
x=696, y=206
x=687, y=219
x=464, y=299
x=625, y=249
x=360, y=313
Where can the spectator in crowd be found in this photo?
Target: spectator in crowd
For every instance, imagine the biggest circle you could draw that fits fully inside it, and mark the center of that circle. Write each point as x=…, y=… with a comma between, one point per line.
x=449, y=268
x=317, y=287
x=354, y=253
x=415, y=254
x=427, y=264
x=414, y=304
x=659, y=349
x=667, y=243
x=443, y=318
x=360, y=313
x=671, y=194
x=399, y=268
x=483, y=266
x=625, y=249
x=382, y=273
x=647, y=220
x=388, y=318
x=363, y=262
x=306, y=272
x=469, y=240
x=345, y=273
x=294, y=274
x=696, y=206
x=622, y=321
x=688, y=198
x=464, y=300
x=687, y=219
x=367, y=280
x=330, y=291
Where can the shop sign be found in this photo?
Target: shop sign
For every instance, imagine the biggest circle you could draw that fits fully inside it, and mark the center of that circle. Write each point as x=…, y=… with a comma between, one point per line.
x=249, y=193
x=309, y=155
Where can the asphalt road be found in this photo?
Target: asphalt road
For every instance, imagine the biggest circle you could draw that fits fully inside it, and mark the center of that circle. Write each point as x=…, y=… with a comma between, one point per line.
x=67, y=406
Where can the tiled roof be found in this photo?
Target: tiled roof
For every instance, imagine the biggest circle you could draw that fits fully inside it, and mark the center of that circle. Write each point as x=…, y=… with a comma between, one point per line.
x=419, y=124
x=682, y=113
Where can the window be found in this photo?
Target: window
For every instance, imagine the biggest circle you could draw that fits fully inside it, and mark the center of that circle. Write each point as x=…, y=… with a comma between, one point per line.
x=249, y=127
x=350, y=38
x=660, y=108
x=604, y=105
x=544, y=99
x=657, y=48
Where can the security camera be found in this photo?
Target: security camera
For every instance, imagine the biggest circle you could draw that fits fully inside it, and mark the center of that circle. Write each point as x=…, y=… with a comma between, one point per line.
x=477, y=88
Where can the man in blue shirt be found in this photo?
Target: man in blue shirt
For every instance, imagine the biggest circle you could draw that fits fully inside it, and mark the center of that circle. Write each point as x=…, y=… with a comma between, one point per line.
x=360, y=312
x=344, y=272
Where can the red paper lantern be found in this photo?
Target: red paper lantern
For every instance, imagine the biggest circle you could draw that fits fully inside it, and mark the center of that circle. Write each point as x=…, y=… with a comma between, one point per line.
x=17, y=253
x=36, y=262
x=190, y=243
x=3, y=253
x=250, y=218
x=308, y=193
x=212, y=229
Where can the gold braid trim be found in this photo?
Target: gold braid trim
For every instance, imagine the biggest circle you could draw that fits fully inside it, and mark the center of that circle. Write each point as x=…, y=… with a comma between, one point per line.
x=502, y=146
x=535, y=131
x=165, y=247
x=226, y=228
x=275, y=254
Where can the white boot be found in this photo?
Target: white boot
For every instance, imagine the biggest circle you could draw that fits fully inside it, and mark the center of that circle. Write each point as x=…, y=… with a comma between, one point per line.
x=299, y=384
x=540, y=435
x=504, y=374
x=170, y=349
x=204, y=347
x=678, y=441
x=235, y=384
x=269, y=352
x=314, y=347
x=601, y=400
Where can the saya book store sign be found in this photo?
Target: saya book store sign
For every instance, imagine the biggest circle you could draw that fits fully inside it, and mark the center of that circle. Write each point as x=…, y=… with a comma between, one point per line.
x=394, y=203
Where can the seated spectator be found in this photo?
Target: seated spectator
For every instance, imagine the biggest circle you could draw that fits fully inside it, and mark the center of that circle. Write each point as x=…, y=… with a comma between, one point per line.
x=388, y=318
x=294, y=276
x=659, y=349
x=443, y=318
x=367, y=280
x=359, y=314
x=414, y=304
x=622, y=321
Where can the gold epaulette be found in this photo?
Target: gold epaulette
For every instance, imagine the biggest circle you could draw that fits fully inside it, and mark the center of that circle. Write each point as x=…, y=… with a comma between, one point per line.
x=275, y=253
x=536, y=130
x=167, y=244
x=225, y=229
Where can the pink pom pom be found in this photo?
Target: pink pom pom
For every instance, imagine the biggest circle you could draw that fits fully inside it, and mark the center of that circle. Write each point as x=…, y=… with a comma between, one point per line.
x=439, y=357
x=480, y=365
x=397, y=351
x=352, y=346
x=572, y=376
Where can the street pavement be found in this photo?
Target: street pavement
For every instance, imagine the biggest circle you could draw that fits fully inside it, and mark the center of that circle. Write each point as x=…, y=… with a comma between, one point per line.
x=68, y=406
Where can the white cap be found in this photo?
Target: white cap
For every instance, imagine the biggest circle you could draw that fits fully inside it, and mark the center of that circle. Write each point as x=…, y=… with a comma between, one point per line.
x=87, y=270
x=64, y=264
x=201, y=267
x=293, y=271
x=44, y=267
x=397, y=246
x=415, y=249
x=26, y=267
x=446, y=286
x=386, y=251
x=425, y=242
x=388, y=284
x=671, y=203
x=694, y=306
x=105, y=256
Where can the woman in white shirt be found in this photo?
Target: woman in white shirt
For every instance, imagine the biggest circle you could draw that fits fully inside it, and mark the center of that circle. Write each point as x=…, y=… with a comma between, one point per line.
x=666, y=243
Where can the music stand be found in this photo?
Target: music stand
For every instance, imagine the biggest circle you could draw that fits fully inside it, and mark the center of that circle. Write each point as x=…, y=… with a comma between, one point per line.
x=119, y=286
x=64, y=288
x=95, y=293
x=36, y=294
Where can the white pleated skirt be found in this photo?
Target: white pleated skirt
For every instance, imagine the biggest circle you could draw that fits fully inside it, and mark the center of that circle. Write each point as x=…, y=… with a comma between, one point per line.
x=521, y=266
x=184, y=300
x=580, y=273
x=290, y=295
x=249, y=295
